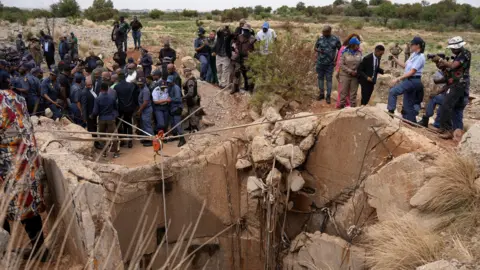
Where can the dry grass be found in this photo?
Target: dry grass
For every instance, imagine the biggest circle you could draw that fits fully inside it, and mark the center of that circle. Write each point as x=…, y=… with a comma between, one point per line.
x=455, y=191
x=401, y=244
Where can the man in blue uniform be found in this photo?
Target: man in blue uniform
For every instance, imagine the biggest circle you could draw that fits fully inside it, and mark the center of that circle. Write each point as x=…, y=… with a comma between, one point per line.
x=176, y=107
x=145, y=108
x=51, y=93
x=326, y=47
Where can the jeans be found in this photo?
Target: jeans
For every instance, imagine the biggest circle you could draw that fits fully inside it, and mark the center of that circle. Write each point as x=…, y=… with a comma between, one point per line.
x=125, y=44
x=349, y=88
x=212, y=70
x=137, y=36
x=147, y=120
x=204, y=66
x=408, y=89
x=176, y=118
x=325, y=72
x=161, y=114
x=57, y=113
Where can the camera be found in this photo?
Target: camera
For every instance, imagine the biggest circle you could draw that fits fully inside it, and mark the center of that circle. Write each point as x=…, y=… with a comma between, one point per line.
x=441, y=55
x=390, y=57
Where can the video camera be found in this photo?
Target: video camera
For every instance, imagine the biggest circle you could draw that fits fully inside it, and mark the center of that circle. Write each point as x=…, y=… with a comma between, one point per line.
x=430, y=56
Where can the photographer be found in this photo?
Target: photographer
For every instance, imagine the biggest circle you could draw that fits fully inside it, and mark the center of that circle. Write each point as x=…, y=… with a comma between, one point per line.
x=458, y=82
x=410, y=83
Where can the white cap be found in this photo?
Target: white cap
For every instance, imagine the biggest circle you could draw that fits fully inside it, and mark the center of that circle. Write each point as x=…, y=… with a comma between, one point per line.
x=456, y=43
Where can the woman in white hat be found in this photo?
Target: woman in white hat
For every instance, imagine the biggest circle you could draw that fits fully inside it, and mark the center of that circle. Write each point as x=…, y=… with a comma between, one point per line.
x=456, y=97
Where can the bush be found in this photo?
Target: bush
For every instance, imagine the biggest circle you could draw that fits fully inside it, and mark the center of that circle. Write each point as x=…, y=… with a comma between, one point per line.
x=155, y=14
x=274, y=74
x=209, y=16
x=398, y=24
x=234, y=14
x=476, y=22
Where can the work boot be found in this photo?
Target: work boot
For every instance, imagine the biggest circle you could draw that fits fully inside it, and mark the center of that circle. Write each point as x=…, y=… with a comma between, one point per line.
x=424, y=121
x=181, y=142
x=321, y=96
x=328, y=100
x=391, y=112
x=446, y=135
x=236, y=88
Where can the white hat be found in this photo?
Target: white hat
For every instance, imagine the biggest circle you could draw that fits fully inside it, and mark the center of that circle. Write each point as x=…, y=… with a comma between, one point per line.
x=48, y=113
x=456, y=43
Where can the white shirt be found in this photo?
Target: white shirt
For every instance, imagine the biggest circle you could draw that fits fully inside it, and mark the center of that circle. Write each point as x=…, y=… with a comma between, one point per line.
x=159, y=94
x=375, y=64
x=267, y=37
x=45, y=46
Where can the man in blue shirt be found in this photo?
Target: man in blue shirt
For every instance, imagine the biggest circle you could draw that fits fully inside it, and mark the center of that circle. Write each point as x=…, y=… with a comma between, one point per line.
x=74, y=98
x=145, y=109
x=202, y=52
x=62, y=47
x=34, y=103
x=104, y=107
x=326, y=47
x=51, y=93
x=176, y=108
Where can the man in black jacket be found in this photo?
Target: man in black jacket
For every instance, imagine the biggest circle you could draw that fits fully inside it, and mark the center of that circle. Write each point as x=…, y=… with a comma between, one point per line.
x=126, y=103
x=87, y=102
x=167, y=56
x=368, y=70
x=223, y=52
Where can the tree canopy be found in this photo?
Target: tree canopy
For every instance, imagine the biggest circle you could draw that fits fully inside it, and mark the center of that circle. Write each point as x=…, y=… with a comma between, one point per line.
x=101, y=10
x=66, y=8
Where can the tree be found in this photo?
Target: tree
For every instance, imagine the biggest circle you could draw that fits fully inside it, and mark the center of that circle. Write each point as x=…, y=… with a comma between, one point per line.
x=155, y=14
x=339, y=2
x=385, y=11
x=101, y=10
x=300, y=6
x=283, y=10
x=258, y=9
x=425, y=3
x=189, y=13
x=66, y=8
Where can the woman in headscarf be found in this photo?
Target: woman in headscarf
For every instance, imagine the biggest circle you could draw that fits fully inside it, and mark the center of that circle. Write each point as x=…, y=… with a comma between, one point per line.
x=20, y=169
x=349, y=62
x=337, y=67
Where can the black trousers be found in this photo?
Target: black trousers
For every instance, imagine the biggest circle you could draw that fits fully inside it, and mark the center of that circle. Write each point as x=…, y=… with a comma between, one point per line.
x=50, y=60
x=453, y=97
x=127, y=117
x=33, y=227
x=367, y=90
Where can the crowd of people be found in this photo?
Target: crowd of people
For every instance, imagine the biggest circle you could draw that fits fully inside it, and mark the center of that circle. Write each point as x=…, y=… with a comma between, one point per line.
x=354, y=69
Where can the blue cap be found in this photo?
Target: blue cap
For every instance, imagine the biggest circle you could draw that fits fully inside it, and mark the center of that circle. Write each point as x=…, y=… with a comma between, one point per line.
x=3, y=63
x=266, y=25
x=170, y=79
x=130, y=60
x=201, y=30
x=354, y=41
x=417, y=41
x=78, y=76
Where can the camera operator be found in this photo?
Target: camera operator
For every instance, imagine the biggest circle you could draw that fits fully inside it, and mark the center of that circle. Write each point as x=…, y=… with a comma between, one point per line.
x=458, y=81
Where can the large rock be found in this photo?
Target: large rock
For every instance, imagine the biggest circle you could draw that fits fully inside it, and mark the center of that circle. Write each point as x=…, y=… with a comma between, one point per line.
x=392, y=187
x=258, y=130
x=262, y=150
x=322, y=251
x=438, y=265
x=347, y=150
x=290, y=156
x=243, y=164
x=272, y=115
x=307, y=143
x=189, y=62
x=302, y=126
x=276, y=102
x=470, y=143
x=295, y=181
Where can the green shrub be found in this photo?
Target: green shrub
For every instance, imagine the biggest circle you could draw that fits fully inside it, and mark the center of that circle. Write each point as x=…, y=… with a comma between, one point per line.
x=209, y=16
x=476, y=22
x=155, y=14
x=398, y=24
x=274, y=73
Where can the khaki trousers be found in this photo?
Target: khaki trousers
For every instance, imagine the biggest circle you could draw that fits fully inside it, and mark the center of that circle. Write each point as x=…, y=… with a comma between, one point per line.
x=224, y=69
x=349, y=88
x=108, y=127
